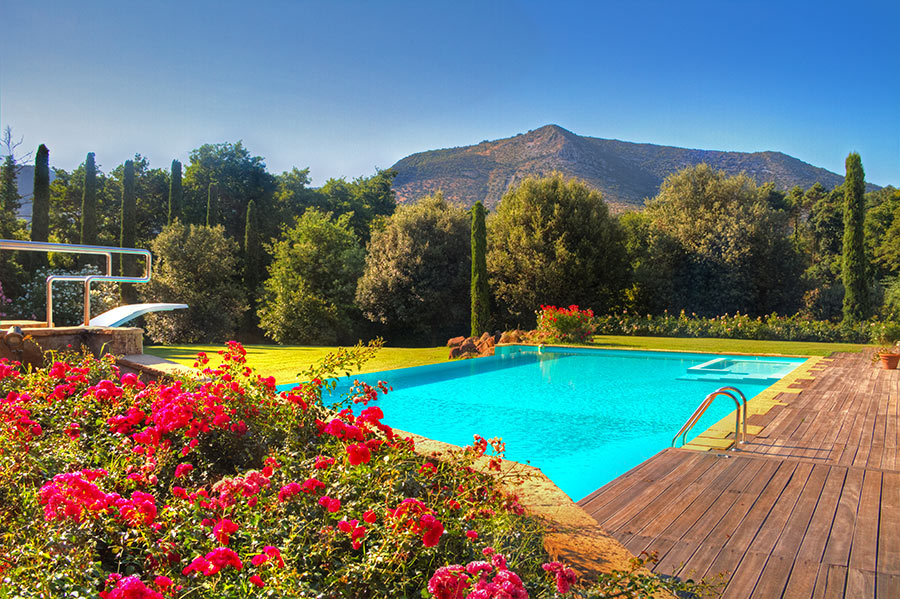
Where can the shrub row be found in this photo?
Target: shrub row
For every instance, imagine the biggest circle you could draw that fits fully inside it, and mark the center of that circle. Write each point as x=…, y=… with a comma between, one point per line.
x=739, y=326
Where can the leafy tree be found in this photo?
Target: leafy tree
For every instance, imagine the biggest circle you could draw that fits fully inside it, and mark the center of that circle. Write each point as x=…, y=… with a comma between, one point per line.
x=416, y=278
x=127, y=234
x=195, y=265
x=727, y=248
x=293, y=194
x=176, y=193
x=365, y=199
x=308, y=297
x=882, y=231
x=854, y=273
x=11, y=272
x=212, y=206
x=552, y=241
x=480, y=290
x=653, y=258
x=239, y=178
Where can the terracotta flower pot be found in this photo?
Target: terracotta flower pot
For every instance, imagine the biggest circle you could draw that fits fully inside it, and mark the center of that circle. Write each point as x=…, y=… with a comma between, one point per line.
x=889, y=361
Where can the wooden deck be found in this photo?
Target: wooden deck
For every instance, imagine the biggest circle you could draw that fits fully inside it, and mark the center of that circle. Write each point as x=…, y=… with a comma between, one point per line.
x=808, y=508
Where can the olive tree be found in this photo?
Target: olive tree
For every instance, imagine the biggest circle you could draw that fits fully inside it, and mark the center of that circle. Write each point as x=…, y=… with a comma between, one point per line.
x=416, y=278
x=195, y=265
x=308, y=297
x=553, y=241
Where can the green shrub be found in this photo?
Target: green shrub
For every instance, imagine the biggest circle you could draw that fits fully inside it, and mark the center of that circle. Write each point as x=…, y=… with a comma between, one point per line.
x=739, y=326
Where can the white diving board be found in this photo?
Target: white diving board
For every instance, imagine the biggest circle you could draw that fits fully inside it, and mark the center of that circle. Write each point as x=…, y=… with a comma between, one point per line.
x=119, y=316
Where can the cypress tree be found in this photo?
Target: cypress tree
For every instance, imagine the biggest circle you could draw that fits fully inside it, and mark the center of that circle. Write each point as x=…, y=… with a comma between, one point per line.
x=212, y=206
x=89, y=202
x=854, y=273
x=40, y=207
x=175, y=193
x=480, y=292
x=252, y=263
x=128, y=229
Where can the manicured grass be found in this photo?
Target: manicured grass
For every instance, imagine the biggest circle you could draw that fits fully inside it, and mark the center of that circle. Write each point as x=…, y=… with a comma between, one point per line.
x=741, y=346
x=285, y=363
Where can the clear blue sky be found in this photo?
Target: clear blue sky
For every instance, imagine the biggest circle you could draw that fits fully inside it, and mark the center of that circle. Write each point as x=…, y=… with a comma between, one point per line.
x=343, y=87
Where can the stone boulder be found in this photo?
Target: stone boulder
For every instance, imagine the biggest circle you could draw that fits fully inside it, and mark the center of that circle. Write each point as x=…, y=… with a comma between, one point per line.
x=455, y=341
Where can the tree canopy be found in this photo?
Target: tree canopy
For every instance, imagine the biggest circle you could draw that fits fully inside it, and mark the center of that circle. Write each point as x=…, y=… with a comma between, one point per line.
x=553, y=241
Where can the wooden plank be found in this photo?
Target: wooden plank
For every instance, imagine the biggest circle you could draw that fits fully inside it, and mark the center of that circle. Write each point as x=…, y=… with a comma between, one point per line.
x=864, y=548
x=887, y=586
x=889, y=530
x=774, y=577
x=835, y=582
x=771, y=528
x=749, y=526
x=837, y=550
x=745, y=576
x=860, y=584
x=694, y=501
x=802, y=580
x=798, y=523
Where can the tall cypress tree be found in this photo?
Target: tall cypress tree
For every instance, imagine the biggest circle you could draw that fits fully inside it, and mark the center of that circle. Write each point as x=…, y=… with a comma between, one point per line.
x=212, y=206
x=252, y=262
x=176, y=193
x=855, y=270
x=480, y=292
x=127, y=232
x=40, y=206
x=9, y=196
x=89, y=202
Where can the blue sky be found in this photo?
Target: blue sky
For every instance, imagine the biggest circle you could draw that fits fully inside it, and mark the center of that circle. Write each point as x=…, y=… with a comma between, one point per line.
x=344, y=87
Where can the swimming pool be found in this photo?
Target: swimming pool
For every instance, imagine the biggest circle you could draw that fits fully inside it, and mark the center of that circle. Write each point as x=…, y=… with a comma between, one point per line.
x=583, y=416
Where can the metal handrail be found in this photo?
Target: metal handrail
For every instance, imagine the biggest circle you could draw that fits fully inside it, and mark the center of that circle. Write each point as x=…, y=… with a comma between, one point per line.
x=744, y=402
x=73, y=248
x=707, y=401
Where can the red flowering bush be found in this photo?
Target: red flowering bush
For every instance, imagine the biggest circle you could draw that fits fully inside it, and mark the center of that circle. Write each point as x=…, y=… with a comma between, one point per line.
x=564, y=325
x=220, y=486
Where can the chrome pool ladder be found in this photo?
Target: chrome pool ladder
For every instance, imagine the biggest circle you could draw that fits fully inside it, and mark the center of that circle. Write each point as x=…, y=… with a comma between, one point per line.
x=707, y=401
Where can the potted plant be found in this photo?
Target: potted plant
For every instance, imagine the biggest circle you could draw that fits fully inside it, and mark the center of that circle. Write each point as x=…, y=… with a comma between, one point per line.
x=887, y=335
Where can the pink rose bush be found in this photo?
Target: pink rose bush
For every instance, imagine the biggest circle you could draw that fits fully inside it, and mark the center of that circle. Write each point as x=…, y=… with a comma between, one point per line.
x=222, y=486
x=565, y=325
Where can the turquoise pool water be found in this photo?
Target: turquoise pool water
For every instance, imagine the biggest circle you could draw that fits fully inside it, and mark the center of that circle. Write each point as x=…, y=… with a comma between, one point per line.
x=583, y=416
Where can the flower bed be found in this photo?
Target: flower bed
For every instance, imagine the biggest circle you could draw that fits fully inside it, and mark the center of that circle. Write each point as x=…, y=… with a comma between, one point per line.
x=739, y=326
x=224, y=488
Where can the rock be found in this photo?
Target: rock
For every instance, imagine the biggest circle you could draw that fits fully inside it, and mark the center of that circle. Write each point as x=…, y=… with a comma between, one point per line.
x=497, y=335
x=455, y=341
x=468, y=347
x=485, y=345
x=511, y=337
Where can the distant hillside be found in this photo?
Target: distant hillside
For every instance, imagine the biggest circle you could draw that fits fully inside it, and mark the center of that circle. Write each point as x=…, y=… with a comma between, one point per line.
x=626, y=173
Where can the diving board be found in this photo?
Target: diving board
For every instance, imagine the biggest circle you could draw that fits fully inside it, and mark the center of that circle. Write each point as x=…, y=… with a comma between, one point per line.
x=119, y=316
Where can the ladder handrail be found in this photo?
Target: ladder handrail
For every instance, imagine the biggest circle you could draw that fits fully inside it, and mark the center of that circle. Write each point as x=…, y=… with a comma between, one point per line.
x=707, y=401
x=74, y=248
x=744, y=402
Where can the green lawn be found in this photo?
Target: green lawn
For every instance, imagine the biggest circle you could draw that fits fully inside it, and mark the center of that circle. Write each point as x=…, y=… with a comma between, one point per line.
x=740, y=346
x=286, y=362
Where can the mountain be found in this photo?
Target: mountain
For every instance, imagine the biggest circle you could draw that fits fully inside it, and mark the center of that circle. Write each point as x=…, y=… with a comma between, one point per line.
x=626, y=173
